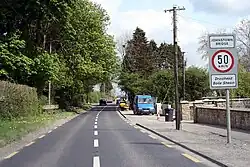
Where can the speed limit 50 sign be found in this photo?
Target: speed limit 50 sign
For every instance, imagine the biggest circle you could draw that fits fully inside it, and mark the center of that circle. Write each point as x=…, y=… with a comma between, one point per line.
x=223, y=61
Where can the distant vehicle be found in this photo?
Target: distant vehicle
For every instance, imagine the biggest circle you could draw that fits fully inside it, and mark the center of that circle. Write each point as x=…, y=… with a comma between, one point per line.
x=123, y=105
x=143, y=104
x=102, y=102
x=118, y=101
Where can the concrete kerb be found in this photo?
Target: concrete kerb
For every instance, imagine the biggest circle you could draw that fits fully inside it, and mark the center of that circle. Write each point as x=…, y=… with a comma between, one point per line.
x=122, y=114
x=183, y=146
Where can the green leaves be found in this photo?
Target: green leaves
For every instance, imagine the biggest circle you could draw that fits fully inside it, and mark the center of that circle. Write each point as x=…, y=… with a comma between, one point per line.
x=147, y=68
x=62, y=41
x=15, y=64
x=197, y=83
x=244, y=80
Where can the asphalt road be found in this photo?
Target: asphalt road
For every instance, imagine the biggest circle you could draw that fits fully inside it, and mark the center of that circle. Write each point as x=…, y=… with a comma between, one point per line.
x=99, y=138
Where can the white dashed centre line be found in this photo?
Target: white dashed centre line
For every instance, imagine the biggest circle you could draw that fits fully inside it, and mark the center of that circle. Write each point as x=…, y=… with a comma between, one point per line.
x=96, y=143
x=96, y=161
x=96, y=133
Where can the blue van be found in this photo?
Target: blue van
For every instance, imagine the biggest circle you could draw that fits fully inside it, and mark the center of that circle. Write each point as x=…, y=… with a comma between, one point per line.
x=143, y=104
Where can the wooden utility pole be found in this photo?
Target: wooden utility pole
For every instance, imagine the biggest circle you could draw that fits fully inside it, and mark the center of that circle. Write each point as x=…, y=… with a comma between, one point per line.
x=183, y=74
x=50, y=51
x=177, y=101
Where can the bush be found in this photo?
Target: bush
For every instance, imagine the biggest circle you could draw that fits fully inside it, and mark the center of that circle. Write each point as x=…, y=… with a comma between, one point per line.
x=17, y=100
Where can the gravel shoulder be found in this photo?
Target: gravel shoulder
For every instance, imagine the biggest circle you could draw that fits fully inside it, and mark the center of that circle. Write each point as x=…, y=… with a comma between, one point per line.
x=26, y=139
x=205, y=139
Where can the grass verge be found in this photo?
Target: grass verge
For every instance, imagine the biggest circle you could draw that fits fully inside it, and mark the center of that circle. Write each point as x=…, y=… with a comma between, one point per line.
x=15, y=129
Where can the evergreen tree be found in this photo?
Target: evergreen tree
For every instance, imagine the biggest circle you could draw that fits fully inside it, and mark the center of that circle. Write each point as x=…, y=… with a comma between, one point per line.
x=137, y=58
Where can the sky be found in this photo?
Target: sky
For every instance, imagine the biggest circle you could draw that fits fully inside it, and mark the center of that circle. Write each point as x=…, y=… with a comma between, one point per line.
x=198, y=17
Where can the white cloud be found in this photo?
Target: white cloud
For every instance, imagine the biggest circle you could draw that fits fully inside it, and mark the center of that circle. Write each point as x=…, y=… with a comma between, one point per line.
x=157, y=25
x=111, y=6
x=148, y=20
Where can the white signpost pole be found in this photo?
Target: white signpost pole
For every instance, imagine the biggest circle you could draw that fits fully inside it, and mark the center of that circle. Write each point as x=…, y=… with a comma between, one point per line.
x=223, y=68
x=228, y=117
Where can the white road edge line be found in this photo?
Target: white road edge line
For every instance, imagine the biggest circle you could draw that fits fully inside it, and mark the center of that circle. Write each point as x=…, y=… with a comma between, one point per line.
x=96, y=161
x=95, y=126
x=96, y=143
x=11, y=155
x=29, y=144
x=41, y=136
x=95, y=132
x=152, y=136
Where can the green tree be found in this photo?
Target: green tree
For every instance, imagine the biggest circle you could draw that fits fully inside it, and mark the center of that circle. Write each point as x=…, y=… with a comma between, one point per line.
x=138, y=58
x=197, y=83
x=62, y=41
x=106, y=87
x=146, y=67
x=161, y=85
x=243, y=87
x=166, y=56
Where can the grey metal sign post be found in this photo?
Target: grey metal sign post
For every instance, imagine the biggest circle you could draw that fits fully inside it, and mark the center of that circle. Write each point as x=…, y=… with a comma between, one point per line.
x=223, y=67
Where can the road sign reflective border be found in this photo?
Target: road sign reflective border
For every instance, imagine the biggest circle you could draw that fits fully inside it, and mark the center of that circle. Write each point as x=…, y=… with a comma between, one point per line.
x=215, y=66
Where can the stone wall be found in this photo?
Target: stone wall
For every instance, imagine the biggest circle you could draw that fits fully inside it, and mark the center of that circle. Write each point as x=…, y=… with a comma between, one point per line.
x=240, y=118
x=187, y=107
x=186, y=110
x=234, y=103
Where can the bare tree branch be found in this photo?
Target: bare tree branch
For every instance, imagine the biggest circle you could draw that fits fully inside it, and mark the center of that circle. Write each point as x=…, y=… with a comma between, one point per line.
x=203, y=42
x=243, y=42
x=243, y=37
x=121, y=41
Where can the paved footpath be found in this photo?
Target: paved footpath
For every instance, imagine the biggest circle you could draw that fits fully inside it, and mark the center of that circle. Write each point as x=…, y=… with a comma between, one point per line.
x=207, y=140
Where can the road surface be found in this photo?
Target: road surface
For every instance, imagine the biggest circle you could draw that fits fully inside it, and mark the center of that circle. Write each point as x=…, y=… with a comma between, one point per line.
x=99, y=138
